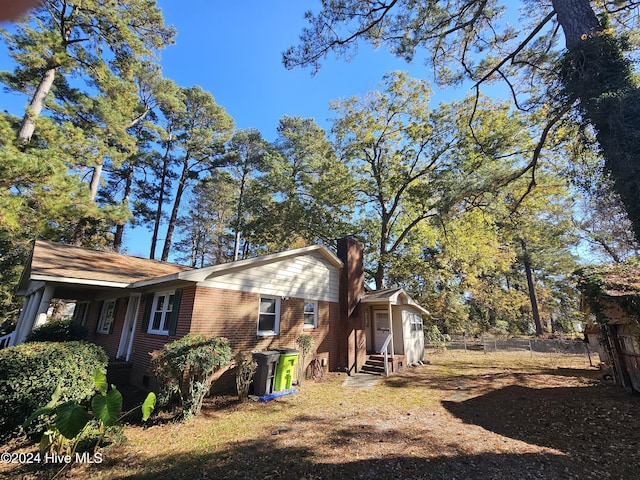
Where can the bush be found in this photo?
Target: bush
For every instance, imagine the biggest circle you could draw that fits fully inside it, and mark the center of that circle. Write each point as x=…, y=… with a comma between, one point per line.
x=31, y=372
x=436, y=338
x=246, y=366
x=184, y=369
x=305, y=343
x=58, y=331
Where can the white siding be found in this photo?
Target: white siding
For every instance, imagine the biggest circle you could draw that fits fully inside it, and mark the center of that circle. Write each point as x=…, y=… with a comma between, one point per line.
x=413, y=341
x=308, y=276
x=399, y=333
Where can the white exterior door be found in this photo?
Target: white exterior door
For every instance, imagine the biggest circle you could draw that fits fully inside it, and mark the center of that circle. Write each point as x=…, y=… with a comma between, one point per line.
x=128, y=329
x=382, y=327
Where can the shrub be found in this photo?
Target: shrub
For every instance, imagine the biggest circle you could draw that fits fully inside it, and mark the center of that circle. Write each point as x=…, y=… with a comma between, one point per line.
x=70, y=425
x=305, y=343
x=58, y=331
x=436, y=338
x=246, y=366
x=31, y=372
x=184, y=369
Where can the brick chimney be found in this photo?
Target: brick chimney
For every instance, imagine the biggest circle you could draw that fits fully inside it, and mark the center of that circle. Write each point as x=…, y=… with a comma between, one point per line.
x=352, y=275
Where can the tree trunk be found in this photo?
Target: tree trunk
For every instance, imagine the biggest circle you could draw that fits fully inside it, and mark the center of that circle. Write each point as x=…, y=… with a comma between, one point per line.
x=577, y=19
x=95, y=180
x=535, y=313
x=239, y=212
x=381, y=268
x=81, y=226
x=236, y=245
x=597, y=73
x=378, y=275
x=36, y=105
x=174, y=211
x=118, y=236
x=158, y=217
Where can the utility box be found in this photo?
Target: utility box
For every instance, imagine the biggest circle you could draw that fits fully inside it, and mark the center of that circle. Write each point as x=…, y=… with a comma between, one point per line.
x=285, y=369
x=263, y=379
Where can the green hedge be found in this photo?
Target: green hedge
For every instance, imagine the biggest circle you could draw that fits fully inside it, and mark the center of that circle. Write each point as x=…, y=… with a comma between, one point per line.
x=58, y=331
x=30, y=373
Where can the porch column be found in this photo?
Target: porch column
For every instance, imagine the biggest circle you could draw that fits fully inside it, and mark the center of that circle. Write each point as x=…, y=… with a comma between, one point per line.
x=37, y=312
x=43, y=307
x=29, y=317
x=21, y=320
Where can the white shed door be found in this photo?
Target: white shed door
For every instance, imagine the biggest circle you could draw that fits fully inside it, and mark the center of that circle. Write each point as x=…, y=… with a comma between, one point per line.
x=381, y=319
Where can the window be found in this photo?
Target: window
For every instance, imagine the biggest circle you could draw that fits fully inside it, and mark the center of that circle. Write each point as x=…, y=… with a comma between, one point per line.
x=80, y=313
x=107, y=316
x=160, y=312
x=269, y=316
x=416, y=323
x=310, y=314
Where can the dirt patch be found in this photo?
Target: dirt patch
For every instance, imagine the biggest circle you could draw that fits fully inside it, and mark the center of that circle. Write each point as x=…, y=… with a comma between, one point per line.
x=467, y=415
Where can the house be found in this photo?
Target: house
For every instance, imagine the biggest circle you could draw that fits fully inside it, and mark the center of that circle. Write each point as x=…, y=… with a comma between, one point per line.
x=611, y=302
x=132, y=306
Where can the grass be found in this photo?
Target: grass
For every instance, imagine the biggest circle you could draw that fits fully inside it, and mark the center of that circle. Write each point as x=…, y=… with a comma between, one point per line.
x=466, y=414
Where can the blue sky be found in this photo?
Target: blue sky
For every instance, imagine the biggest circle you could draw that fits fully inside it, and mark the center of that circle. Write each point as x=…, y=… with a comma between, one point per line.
x=234, y=49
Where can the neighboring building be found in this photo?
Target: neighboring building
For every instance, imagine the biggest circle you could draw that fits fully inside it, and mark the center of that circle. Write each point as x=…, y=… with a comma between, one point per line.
x=132, y=306
x=618, y=301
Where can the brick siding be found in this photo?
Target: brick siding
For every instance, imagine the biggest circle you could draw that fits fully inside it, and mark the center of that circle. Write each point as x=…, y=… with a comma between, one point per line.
x=233, y=315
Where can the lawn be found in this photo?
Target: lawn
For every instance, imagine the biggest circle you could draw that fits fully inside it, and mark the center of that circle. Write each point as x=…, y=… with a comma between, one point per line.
x=507, y=415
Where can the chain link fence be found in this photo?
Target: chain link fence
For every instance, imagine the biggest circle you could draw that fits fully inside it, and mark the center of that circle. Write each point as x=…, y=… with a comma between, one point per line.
x=490, y=344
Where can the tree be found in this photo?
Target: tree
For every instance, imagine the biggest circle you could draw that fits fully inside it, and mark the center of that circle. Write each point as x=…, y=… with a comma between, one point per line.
x=38, y=198
x=77, y=62
x=247, y=157
x=541, y=231
x=470, y=40
x=459, y=269
x=200, y=131
x=306, y=196
x=153, y=91
x=63, y=38
x=206, y=237
x=604, y=225
x=413, y=164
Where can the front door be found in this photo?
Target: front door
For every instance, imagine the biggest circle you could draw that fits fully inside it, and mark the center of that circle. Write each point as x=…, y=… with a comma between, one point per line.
x=128, y=329
x=382, y=328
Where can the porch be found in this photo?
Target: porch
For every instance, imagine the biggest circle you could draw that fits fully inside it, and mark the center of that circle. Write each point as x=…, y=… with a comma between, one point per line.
x=394, y=334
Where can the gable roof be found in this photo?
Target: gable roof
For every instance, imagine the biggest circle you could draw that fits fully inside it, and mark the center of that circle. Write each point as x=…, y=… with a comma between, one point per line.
x=207, y=273
x=393, y=296
x=56, y=262
x=60, y=263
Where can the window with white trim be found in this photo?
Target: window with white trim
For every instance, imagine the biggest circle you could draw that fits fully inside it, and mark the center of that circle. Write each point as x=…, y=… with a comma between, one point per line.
x=107, y=316
x=269, y=316
x=160, y=312
x=416, y=322
x=310, y=314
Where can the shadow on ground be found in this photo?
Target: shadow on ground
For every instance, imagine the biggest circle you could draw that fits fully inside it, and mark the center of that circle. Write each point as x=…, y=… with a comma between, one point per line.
x=486, y=381
x=264, y=460
x=596, y=426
